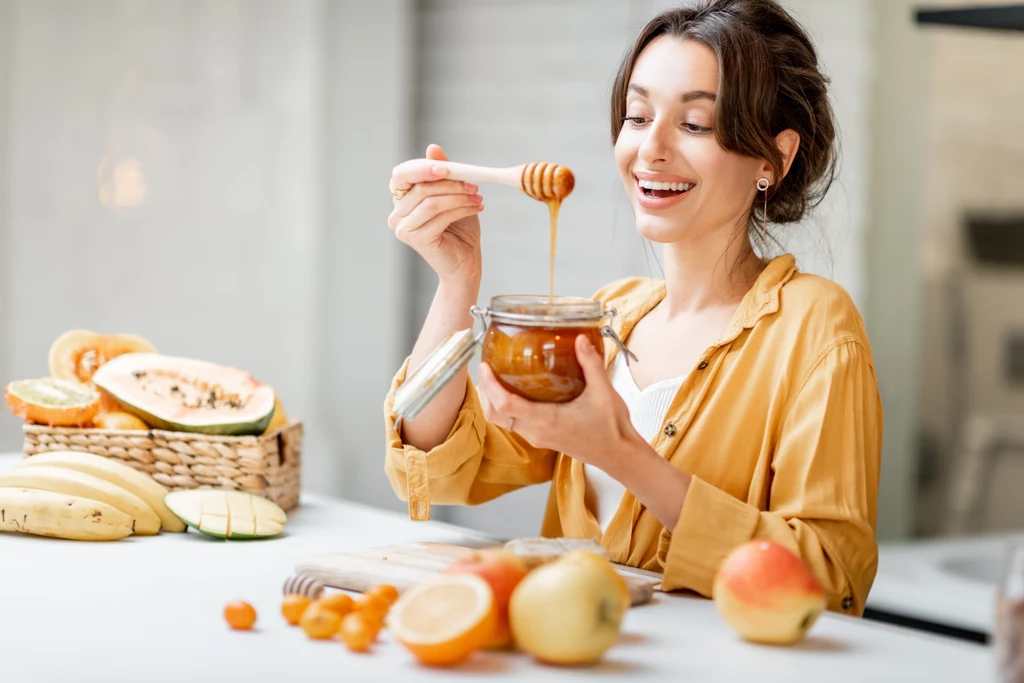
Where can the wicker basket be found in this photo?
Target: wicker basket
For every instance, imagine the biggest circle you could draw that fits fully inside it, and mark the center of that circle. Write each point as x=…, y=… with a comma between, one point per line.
x=267, y=465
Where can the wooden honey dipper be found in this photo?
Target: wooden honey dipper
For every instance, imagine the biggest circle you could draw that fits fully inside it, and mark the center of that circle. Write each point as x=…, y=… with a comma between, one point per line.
x=540, y=180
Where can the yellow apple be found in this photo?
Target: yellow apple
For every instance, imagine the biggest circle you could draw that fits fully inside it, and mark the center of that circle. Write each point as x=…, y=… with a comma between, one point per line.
x=767, y=594
x=569, y=611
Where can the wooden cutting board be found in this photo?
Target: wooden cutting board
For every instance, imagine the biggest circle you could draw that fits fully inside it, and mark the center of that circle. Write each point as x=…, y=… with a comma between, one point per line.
x=405, y=565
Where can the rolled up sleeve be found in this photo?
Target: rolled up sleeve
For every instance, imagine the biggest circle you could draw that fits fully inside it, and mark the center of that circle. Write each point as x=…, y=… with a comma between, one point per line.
x=477, y=462
x=823, y=497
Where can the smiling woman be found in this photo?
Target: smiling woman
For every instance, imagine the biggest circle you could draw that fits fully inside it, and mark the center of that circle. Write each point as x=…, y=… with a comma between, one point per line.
x=751, y=101
x=745, y=404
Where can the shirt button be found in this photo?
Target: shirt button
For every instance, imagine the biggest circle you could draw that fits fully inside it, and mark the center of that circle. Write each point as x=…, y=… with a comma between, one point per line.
x=670, y=429
x=847, y=602
x=703, y=364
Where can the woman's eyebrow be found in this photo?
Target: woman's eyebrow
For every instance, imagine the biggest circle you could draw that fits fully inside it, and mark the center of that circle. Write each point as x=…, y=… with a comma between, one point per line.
x=698, y=95
x=686, y=96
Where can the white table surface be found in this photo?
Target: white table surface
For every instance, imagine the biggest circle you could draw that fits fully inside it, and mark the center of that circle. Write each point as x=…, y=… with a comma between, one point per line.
x=914, y=579
x=148, y=609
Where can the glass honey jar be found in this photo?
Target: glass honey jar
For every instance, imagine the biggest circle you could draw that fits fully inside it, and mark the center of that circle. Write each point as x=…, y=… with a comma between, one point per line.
x=529, y=342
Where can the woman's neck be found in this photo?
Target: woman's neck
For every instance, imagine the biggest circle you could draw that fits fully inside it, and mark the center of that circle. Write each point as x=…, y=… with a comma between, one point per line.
x=706, y=273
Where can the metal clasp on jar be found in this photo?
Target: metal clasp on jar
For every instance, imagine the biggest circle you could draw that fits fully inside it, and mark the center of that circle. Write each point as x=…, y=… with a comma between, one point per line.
x=483, y=315
x=607, y=331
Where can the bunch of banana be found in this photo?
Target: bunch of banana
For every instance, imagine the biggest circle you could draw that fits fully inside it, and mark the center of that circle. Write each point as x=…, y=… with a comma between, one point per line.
x=81, y=496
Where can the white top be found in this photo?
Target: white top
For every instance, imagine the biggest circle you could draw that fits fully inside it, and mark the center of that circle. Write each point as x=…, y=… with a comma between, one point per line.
x=160, y=599
x=647, y=411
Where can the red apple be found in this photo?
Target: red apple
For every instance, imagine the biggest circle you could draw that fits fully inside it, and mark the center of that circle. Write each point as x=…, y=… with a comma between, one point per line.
x=767, y=594
x=503, y=572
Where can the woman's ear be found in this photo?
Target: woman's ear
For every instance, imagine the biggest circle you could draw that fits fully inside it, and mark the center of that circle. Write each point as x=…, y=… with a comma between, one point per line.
x=788, y=142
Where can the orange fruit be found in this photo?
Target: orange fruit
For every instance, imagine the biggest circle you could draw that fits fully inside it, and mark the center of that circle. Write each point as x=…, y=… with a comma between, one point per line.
x=374, y=619
x=319, y=622
x=340, y=603
x=503, y=571
x=385, y=591
x=376, y=625
x=293, y=606
x=370, y=603
x=240, y=615
x=446, y=619
x=357, y=632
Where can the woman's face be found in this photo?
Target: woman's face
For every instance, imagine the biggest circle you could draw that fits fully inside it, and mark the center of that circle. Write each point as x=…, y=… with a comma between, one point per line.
x=668, y=137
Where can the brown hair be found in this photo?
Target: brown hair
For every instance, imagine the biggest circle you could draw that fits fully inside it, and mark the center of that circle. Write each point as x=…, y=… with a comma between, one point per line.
x=769, y=81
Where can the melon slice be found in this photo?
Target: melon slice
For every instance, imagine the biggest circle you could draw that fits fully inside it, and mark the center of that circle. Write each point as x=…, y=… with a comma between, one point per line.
x=52, y=401
x=76, y=355
x=267, y=527
x=221, y=513
x=217, y=526
x=243, y=527
x=187, y=395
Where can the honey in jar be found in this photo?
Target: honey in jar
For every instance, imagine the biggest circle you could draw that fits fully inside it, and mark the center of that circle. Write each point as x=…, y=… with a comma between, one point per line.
x=528, y=340
x=530, y=344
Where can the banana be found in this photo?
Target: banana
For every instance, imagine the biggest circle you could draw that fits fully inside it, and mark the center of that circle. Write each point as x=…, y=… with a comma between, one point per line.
x=75, y=483
x=58, y=515
x=125, y=476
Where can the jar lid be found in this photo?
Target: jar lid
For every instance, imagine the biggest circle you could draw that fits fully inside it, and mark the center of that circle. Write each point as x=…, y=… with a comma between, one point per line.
x=529, y=309
x=436, y=370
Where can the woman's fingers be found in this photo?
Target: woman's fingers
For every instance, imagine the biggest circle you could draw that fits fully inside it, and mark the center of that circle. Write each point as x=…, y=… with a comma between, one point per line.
x=413, y=171
x=490, y=414
x=433, y=207
x=429, y=231
x=503, y=401
x=486, y=389
x=420, y=191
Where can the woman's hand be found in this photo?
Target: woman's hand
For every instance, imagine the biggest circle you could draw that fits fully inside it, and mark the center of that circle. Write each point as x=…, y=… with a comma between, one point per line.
x=438, y=218
x=594, y=427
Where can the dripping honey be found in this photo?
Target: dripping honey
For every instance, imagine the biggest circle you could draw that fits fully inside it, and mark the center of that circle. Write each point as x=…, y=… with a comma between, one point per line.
x=553, y=206
x=551, y=184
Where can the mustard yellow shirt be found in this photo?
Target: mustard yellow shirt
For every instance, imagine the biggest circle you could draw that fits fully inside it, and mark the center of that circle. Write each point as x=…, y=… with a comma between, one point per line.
x=779, y=425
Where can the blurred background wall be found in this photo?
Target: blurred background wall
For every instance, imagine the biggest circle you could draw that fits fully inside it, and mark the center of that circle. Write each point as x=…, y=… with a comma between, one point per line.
x=213, y=176
x=971, y=416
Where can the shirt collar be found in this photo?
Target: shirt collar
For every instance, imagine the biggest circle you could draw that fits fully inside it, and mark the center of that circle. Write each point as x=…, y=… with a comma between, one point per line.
x=760, y=300
x=763, y=297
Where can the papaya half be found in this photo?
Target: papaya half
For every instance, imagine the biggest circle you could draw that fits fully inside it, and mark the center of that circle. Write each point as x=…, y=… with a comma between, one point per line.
x=187, y=395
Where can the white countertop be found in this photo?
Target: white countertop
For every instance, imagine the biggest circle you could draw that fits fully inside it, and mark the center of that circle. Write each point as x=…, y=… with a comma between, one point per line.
x=949, y=581
x=148, y=609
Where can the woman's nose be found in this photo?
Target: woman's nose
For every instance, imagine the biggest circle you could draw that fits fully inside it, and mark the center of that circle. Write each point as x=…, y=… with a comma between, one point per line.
x=656, y=147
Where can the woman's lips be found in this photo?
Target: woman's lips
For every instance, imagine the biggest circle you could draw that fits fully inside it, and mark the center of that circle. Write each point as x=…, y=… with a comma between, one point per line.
x=657, y=199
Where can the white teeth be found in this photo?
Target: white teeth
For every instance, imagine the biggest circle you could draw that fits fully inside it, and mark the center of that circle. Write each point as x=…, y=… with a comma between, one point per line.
x=675, y=187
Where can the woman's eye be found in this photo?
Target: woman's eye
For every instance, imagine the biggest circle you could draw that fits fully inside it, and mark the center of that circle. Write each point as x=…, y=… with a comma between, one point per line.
x=635, y=121
x=694, y=128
